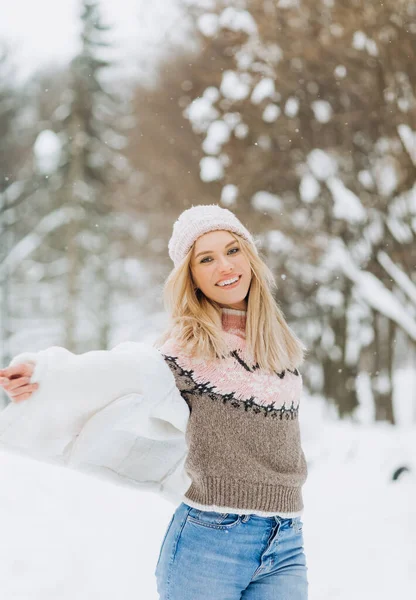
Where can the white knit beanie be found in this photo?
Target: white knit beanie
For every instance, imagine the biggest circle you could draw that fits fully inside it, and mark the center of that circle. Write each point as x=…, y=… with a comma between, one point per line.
x=196, y=221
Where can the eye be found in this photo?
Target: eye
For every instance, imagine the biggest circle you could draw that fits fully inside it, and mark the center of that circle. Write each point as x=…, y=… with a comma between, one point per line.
x=236, y=248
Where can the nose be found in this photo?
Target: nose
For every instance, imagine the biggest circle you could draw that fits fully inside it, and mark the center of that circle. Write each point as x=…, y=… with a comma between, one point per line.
x=225, y=265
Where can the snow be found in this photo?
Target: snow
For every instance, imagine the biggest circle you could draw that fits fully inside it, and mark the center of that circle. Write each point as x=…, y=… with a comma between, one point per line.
x=208, y=24
x=241, y=131
x=13, y=192
x=300, y=218
x=69, y=536
x=408, y=138
x=264, y=142
x=340, y=71
x=370, y=288
x=374, y=230
x=25, y=247
x=266, y=202
x=47, y=151
x=201, y=112
x=371, y=48
x=229, y=195
x=264, y=89
x=211, y=93
x=218, y=134
x=234, y=86
x=366, y=179
x=271, y=113
x=237, y=20
x=211, y=169
x=322, y=111
x=347, y=205
x=362, y=550
x=403, y=104
x=309, y=188
x=327, y=296
x=232, y=119
x=278, y=242
x=321, y=164
x=291, y=107
x=359, y=40
x=114, y=140
x=385, y=176
x=400, y=230
x=401, y=278
x=288, y=3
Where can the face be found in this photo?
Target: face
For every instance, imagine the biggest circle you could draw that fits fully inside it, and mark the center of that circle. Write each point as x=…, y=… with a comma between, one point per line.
x=217, y=258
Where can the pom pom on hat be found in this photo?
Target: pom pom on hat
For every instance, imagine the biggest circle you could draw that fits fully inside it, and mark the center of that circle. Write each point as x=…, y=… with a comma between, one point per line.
x=196, y=221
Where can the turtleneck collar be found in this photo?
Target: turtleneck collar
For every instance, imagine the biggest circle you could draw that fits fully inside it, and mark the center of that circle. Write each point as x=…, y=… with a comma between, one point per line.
x=234, y=321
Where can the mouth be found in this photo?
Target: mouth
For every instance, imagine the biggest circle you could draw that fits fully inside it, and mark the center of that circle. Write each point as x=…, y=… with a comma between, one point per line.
x=230, y=286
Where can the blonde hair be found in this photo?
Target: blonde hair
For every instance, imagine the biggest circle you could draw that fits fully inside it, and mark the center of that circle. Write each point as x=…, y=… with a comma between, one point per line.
x=196, y=320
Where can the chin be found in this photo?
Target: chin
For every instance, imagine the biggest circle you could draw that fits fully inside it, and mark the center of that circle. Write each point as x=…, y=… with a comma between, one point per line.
x=232, y=300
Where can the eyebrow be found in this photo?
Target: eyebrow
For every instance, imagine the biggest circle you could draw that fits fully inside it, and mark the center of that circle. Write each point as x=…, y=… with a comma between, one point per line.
x=211, y=251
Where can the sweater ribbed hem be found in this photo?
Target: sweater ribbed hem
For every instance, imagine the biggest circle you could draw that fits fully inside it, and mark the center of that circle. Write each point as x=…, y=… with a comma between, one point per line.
x=245, y=495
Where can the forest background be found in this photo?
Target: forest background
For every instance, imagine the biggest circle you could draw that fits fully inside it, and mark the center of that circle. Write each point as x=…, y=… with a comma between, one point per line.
x=300, y=116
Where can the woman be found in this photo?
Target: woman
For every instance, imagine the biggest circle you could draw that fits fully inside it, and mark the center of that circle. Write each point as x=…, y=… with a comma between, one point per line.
x=238, y=532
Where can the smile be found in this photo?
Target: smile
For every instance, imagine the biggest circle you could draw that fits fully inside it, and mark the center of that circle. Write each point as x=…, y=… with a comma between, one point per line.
x=230, y=283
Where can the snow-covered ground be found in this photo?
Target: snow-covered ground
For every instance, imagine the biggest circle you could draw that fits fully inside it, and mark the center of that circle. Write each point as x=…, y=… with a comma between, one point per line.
x=66, y=535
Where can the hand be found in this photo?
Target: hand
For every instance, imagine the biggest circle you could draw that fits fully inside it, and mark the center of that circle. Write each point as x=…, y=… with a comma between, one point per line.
x=15, y=381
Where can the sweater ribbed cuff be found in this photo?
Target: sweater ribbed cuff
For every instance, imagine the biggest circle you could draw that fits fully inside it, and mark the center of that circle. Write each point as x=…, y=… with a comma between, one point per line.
x=245, y=495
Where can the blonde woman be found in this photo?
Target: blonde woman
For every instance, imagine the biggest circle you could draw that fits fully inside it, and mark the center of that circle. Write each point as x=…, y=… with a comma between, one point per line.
x=237, y=533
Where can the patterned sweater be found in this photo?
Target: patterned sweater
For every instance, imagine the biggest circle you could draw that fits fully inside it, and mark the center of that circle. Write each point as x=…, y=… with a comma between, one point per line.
x=243, y=434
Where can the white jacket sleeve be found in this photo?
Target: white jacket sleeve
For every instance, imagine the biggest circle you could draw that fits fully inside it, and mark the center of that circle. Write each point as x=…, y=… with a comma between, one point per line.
x=116, y=414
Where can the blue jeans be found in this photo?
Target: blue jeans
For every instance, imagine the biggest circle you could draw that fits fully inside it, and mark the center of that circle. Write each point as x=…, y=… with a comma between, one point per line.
x=224, y=556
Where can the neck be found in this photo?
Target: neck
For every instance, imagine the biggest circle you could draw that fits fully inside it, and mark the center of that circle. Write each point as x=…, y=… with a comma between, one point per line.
x=234, y=321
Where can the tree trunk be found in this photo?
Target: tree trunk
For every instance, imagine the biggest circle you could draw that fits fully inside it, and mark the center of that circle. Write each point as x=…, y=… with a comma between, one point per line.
x=382, y=376
x=339, y=376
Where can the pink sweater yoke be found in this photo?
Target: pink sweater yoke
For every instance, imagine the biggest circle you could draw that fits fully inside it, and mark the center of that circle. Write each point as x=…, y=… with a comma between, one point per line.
x=231, y=377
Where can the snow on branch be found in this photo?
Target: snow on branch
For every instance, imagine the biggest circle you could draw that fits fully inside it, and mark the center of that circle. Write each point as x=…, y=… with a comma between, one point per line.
x=32, y=241
x=400, y=277
x=372, y=290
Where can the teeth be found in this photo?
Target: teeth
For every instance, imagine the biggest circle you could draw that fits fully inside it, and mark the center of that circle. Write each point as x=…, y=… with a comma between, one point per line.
x=228, y=282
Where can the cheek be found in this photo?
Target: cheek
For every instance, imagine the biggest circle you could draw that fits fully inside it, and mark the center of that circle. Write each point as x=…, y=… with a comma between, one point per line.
x=202, y=276
x=244, y=265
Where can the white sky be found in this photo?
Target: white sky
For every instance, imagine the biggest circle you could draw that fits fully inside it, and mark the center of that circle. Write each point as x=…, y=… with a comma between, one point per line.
x=45, y=31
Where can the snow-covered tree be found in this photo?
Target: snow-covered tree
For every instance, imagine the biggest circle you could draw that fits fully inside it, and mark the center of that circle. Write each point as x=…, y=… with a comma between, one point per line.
x=307, y=129
x=91, y=165
x=71, y=233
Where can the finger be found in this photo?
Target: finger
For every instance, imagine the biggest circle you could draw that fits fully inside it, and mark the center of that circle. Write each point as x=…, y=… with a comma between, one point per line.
x=20, y=370
x=20, y=397
x=27, y=389
x=16, y=383
x=24, y=389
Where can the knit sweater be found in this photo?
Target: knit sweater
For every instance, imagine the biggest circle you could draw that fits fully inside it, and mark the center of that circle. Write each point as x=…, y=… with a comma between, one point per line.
x=243, y=434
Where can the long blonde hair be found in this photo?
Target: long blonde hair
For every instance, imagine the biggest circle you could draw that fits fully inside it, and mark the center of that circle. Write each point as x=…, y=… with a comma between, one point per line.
x=195, y=320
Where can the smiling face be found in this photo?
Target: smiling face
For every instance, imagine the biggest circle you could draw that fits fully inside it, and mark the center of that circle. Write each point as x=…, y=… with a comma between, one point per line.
x=217, y=259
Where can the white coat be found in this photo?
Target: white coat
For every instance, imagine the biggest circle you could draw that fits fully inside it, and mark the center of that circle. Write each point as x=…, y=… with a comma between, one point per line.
x=116, y=414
